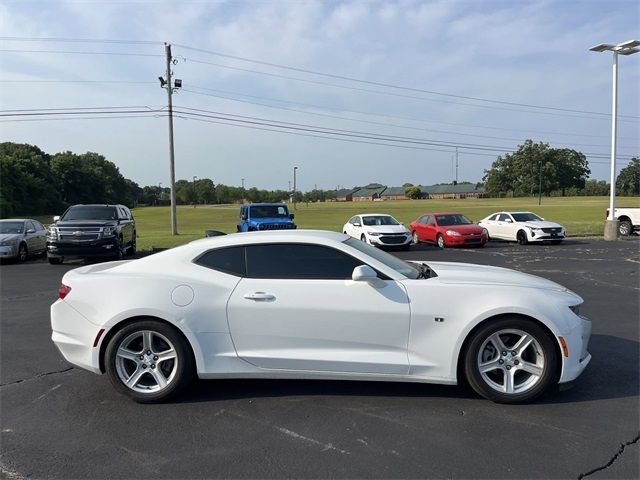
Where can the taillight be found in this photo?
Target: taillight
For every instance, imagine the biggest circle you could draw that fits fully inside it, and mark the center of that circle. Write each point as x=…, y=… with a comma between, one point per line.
x=63, y=291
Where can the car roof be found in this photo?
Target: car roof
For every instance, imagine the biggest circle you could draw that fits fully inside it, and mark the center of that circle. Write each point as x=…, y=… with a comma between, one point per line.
x=276, y=236
x=16, y=219
x=279, y=204
x=97, y=205
x=441, y=213
x=374, y=215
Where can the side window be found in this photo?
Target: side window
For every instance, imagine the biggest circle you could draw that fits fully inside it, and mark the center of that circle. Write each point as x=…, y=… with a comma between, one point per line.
x=30, y=226
x=122, y=214
x=228, y=260
x=426, y=219
x=301, y=261
x=38, y=225
x=352, y=220
x=493, y=217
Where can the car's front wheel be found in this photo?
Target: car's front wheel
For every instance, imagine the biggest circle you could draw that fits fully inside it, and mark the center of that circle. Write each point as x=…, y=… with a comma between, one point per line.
x=512, y=360
x=440, y=241
x=23, y=253
x=414, y=238
x=148, y=361
x=522, y=237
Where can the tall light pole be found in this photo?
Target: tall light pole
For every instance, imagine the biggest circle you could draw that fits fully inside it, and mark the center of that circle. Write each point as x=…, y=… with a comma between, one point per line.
x=295, y=169
x=194, y=191
x=159, y=193
x=170, y=88
x=242, y=191
x=625, y=48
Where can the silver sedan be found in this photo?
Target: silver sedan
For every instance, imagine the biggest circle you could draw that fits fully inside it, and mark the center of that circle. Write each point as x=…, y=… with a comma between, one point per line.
x=21, y=237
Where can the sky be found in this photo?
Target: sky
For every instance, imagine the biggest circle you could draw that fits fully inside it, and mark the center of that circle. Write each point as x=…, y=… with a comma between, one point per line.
x=376, y=91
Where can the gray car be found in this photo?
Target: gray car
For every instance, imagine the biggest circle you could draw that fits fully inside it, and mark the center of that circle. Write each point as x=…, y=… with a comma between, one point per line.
x=21, y=237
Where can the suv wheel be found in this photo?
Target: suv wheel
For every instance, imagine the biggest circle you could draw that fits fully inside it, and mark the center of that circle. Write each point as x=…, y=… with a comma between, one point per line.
x=131, y=251
x=624, y=228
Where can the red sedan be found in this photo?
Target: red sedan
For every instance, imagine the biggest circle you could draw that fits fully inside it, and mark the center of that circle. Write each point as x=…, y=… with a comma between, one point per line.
x=447, y=230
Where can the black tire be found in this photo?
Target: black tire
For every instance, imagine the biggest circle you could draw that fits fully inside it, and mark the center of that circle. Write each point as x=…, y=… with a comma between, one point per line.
x=625, y=228
x=528, y=386
x=55, y=260
x=23, y=252
x=120, y=252
x=177, y=371
x=440, y=241
x=522, y=237
x=363, y=238
x=131, y=251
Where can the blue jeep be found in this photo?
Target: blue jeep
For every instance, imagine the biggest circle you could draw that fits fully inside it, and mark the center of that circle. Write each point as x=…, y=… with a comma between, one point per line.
x=265, y=216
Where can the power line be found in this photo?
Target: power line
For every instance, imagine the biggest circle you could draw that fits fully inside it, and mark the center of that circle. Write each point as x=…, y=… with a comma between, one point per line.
x=84, y=52
x=306, y=112
x=54, y=119
x=413, y=97
x=132, y=82
x=80, y=40
x=387, y=85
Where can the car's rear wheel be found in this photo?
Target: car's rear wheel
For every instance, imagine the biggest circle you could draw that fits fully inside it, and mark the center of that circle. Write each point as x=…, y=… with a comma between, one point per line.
x=440, y=241
x=522, y=237
x=624, y=228
x=148, y=361
x=511, y=360
x=23, y=252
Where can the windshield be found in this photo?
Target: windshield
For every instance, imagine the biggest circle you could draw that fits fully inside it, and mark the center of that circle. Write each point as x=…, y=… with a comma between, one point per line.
x=90, y=213
x=526, y=217
x=400, y=266
x=269, y=211
x=373, y=220
x=454, y=219
x=11, y=227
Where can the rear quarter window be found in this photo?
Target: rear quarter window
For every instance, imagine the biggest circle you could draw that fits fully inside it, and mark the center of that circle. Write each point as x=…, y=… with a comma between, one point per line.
x=228, y=260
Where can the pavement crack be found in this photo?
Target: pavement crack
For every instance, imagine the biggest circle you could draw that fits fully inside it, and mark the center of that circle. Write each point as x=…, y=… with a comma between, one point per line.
x=615, y=457
x=45, y=374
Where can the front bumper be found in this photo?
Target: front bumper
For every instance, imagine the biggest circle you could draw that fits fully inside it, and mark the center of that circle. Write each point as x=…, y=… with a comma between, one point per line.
x=8, y=251
x=95, y=248
x=577, y=341
x=465, y=240
x=74, y=336
x=389, y=240
x=543, y=236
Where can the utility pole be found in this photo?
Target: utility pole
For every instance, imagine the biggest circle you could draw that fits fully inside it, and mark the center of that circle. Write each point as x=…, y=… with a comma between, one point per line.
x=456, y=165
x=242, y=192
x=171, y=87
x=194, y=191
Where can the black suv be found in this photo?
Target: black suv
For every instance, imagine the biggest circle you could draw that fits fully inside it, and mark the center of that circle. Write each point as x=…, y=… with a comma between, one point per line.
x=92, y=231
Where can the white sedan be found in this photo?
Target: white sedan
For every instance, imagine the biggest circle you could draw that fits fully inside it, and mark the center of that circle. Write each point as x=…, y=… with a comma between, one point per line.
x=378, y=229
x=522, y=227
x=316, y=305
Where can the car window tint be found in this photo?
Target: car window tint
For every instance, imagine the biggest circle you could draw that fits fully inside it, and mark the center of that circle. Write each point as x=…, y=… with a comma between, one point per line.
x=38, y=225
x=30, y=226
x=228, y=260
x=299, y=261
x=493, y=217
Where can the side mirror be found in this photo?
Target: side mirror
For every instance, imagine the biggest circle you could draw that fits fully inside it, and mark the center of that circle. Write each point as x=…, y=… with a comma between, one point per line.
x=508, y=220
x=356, y=224
x=364, y=273
x=292, y=216
x=30, y=231
x=243, y=217
x=56, y=218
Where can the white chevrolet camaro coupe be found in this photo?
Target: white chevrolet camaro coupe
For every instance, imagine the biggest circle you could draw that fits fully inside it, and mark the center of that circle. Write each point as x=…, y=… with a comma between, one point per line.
x=522, y=227
x=378, y=229
x=316, y=305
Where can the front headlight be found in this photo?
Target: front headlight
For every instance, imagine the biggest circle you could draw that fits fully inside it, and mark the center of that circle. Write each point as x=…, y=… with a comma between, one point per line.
x=52, y=233
x=7, y=243
x=373, y=234
x=452, y=233
x=108, y=231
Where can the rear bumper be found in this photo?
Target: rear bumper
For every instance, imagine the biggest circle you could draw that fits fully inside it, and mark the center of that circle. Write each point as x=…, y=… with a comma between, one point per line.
x=74, y=336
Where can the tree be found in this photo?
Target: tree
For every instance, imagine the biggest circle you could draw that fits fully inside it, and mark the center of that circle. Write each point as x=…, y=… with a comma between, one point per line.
x=412, y=192
x=27, y=186
x=535, y=166
x=628, y=181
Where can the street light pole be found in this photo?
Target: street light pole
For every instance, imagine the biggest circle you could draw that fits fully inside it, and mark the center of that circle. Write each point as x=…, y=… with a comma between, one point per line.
x=295, y=169
x=625, y=48
x=194, y=191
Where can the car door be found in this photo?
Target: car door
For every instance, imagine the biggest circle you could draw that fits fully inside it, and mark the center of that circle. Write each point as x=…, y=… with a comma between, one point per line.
x=491, y=224
x=509, y=227
x=501, y=227
x=125, y=226
x=31, y=237
x=430, y=229
x=41, y=235
x=298, y=309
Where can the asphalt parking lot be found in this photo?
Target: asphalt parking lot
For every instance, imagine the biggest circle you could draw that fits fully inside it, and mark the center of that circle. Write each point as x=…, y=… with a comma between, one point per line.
x=63, y=422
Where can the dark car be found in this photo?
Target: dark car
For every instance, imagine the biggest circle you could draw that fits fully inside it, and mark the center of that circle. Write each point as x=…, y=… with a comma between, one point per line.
x=447, y=230
x=92, y=231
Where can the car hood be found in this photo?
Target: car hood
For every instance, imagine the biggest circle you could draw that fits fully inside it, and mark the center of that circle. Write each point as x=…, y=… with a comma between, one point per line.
x=542, y=224
x=8, y=237
x=86, y=223
x=467, y=273
x=270, y=220
x=385, y=228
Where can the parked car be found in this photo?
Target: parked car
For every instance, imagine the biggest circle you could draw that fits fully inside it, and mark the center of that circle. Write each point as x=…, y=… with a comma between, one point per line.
x=21, y=237
x=379, y=230
x=313, y=304
x=629, y=220
x=265, y=216
x=447, y=230
x=92, y=231
x=522, y=227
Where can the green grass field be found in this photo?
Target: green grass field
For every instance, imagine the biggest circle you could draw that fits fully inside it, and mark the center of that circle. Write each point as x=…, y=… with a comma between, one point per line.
x=581, y=216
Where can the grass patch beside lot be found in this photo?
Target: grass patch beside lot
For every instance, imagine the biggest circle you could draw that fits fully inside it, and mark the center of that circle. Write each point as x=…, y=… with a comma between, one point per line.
x=581, y=216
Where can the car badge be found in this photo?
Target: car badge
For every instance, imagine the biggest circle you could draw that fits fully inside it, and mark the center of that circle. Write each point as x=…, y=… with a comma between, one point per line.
x=77, y=233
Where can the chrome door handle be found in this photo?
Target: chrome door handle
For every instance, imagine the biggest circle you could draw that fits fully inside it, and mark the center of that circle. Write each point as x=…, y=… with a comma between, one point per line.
x=259, y=296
